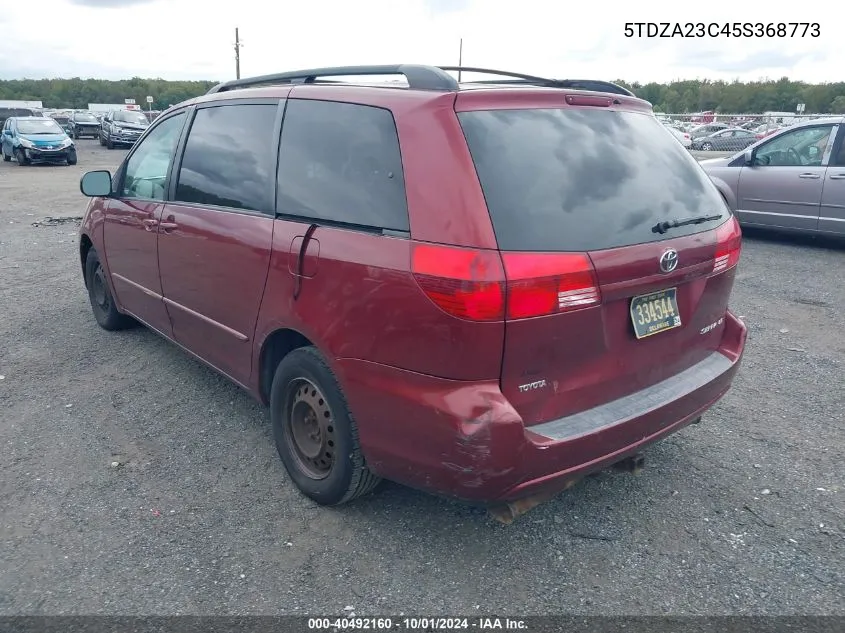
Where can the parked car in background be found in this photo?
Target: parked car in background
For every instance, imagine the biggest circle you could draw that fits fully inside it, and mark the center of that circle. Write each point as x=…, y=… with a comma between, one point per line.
x=36, y=140
x=391, y=271
x=84, y=124
x=122, y=128
x=793, y=180
x=728, y=140
x=5, y=113
x=706, y=130
x=683, y=137
x=63, y=120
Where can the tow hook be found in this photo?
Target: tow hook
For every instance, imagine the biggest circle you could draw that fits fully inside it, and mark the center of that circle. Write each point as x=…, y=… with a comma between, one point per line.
x=633, y=464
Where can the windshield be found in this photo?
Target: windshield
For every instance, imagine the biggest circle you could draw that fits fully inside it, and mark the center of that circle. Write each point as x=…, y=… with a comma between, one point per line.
x=85, y=117
x=131, y=117
x=38, y=126
x=584, y=179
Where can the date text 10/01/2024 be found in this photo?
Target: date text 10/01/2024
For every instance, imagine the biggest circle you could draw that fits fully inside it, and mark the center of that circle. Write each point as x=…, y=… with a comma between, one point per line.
x=722, y=29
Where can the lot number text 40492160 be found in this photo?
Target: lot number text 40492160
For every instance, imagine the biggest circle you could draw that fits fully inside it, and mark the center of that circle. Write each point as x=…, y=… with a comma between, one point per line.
x=722, y=29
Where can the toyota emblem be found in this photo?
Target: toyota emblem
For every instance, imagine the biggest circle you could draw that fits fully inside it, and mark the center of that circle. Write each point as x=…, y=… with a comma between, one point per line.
x=669, y=260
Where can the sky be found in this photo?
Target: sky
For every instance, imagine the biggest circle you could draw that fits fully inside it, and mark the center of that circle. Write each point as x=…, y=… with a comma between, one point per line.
x=194, y=39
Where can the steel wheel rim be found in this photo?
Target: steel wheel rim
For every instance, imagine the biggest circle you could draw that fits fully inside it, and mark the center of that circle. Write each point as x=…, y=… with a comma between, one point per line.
x=310, y=429
x=99, y=290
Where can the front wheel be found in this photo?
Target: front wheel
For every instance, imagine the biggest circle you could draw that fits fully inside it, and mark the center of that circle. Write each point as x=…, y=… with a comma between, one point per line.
x=706, y=147
x=110, y=143
x=102, y=303
x=21, y=157
x=315, y=434
x=6, y=157
x=71, y=158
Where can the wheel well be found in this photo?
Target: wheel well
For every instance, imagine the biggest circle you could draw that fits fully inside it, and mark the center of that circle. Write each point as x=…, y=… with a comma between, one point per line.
x=278, y=345
x=84, y=246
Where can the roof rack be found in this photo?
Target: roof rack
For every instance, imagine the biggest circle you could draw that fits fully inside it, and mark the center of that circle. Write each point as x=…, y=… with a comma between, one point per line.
x=595, y=85
x=419, y=77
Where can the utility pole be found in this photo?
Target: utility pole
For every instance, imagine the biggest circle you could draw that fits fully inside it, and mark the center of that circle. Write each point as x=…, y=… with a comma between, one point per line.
x=237, y=54
x=460, y=57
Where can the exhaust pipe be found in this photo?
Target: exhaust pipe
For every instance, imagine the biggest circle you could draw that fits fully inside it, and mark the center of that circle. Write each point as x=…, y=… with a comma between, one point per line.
x=633, y=464
x=507, y=513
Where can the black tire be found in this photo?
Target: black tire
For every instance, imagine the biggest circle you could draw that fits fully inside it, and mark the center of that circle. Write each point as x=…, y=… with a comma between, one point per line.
x=71, y=158
x=102, y=140
x=6, y=157
x=23, y=161
x=304, y=374
x=74, y=134
x=109, y=143
x=706, y=147
x=99, y=294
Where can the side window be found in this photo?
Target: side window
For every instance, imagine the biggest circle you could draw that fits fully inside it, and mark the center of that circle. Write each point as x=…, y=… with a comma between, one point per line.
x=341, y=162
x=802, y=147
x=839, y=158
x=229, y=158
x=146, y=170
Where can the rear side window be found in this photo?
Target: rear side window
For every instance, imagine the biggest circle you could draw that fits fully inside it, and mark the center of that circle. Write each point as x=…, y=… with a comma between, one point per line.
x=229, y=158
x=585, y=179
x=340, y=162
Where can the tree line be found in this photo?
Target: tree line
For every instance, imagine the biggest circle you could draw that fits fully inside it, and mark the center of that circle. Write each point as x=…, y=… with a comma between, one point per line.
x=677, y=97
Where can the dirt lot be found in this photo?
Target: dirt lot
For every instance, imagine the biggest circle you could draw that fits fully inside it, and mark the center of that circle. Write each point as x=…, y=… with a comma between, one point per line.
x=744, y=513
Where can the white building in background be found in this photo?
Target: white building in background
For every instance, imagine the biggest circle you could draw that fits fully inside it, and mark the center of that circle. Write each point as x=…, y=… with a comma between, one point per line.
x=107, y=107
x=21, y=104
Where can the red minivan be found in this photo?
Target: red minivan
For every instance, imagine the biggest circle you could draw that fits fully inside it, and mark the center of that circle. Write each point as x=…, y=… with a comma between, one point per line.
x=485, y=290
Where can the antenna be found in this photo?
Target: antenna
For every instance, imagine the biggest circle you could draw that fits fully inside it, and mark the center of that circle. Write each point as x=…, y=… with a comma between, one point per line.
x=460, y=57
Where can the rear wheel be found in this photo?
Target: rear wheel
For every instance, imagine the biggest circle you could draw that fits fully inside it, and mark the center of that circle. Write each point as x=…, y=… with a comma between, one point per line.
x=315, y=433
x=102, y=303
x=706, y=147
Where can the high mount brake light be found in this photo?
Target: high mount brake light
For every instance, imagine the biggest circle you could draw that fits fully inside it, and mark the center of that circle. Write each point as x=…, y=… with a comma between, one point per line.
x=485, y=286
x=728, y=245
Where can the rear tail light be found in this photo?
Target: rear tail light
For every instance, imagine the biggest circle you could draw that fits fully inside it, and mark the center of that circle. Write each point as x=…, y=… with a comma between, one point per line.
x=728, y=245
x=472, y=284
x=463, y=282
x=549, y=283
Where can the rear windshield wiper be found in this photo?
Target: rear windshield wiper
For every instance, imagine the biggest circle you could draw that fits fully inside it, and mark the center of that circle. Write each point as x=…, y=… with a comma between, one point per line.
x=662, y=227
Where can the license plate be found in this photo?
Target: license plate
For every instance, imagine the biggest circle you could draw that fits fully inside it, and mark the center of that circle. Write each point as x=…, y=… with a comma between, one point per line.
x=654, y=313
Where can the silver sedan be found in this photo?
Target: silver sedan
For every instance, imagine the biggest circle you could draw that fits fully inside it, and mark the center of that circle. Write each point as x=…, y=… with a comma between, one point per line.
x=793, y=180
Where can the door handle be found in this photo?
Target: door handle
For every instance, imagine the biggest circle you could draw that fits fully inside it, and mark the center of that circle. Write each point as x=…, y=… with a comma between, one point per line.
x=810, y=176
x=168, y=226
x=837, y=176
x=150, y=224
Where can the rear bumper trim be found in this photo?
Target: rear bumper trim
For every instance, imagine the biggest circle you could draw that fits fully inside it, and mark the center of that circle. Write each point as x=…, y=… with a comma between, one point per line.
x=637, y=404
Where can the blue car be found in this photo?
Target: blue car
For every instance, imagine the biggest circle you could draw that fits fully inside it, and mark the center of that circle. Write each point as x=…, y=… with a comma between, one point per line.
x=36, y=140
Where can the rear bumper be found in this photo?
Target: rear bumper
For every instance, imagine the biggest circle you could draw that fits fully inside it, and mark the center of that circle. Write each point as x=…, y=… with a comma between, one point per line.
x=465, y=440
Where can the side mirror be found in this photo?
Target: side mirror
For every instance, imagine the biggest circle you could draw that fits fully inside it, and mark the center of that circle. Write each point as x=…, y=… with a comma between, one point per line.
x=96, y=184
x=749, y=156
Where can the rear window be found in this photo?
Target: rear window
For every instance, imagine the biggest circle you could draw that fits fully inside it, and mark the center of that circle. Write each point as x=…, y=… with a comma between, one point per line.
x=585, y=179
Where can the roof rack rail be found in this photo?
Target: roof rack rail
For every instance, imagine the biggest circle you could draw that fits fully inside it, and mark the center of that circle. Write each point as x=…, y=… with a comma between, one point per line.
x=419, y=77
x=519, y=78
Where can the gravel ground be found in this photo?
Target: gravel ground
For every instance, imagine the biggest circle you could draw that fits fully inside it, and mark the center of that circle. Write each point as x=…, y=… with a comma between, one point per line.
x=742, y=514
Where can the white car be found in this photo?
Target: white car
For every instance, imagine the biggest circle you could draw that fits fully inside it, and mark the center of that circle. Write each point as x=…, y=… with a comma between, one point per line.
x=683, y=138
